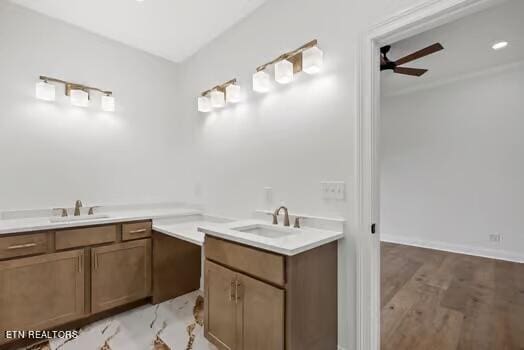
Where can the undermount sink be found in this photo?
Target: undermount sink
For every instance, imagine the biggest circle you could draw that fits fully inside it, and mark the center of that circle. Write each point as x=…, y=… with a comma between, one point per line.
x=268, y=231
x=78, y=218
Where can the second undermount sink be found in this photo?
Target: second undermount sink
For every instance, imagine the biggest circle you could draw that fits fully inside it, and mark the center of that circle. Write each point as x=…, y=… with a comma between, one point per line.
x=268, y=231
x=78, y=218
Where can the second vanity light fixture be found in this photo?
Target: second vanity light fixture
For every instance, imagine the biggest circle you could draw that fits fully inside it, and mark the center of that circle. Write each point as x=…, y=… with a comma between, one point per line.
x=217, y=97
x=307, y=58
x=79, y=94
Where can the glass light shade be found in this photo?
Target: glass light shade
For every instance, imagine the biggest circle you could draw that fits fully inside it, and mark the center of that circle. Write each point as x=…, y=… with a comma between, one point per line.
x=45, y=91
x=79, y=98
x=312, y=60
x=108, y=103
x=261, y=81
x=218, y=99
x=284, y=72
x=233, y=93
x=204, y=104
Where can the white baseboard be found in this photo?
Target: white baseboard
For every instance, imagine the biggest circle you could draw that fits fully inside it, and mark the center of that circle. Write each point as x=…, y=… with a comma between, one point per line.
x=340, y=348
x=456, y=248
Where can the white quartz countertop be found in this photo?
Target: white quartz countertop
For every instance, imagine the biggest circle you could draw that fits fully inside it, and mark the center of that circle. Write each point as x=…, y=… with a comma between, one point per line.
x=291, y=244
x=186, y=232
x=190, y=225
x=43, y=223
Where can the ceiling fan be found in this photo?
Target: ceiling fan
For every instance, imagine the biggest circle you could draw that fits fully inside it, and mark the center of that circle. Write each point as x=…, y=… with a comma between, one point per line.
x=386, y=63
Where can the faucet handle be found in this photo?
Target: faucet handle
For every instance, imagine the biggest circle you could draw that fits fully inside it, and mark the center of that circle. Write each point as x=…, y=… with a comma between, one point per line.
x=92, y=210
x=62, y=210
x=297, y=222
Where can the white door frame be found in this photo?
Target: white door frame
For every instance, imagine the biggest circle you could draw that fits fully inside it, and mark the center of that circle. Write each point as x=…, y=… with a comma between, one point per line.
x=422, y=17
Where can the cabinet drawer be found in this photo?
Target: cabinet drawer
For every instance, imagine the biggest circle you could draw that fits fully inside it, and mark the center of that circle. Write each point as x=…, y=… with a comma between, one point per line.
x=136, y=230
x=261, y=264
x=22, y=245
x=81, y=237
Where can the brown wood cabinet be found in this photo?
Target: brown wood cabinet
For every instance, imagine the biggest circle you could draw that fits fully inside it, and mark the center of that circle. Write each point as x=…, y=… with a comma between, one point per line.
x=221, y=311
x=120, y=273
x=176, y=267
x=69, y=277
x=242, y=312
x=262, y=308
x=259, y=300
x=41, y=291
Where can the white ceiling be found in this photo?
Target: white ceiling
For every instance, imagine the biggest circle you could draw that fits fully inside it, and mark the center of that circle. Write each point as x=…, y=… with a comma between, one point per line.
x=467, y=48
x=173, y=29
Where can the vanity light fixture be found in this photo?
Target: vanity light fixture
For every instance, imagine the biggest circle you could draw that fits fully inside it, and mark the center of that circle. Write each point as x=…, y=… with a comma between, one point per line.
x=79, y=98
x=204, y=104
x=79, y=94
x=45, y=91
x=233, y=93
x=217, y=96
x=261, y=81
x=108, y=103
x=307, y=58
x=284, y=72
x=312, y=60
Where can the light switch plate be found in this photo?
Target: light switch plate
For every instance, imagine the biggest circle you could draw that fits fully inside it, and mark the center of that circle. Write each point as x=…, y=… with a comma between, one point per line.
x=333, y=190
x=268, y=194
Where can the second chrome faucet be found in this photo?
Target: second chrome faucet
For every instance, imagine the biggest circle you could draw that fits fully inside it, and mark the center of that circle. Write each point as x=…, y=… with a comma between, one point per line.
x=286, y=217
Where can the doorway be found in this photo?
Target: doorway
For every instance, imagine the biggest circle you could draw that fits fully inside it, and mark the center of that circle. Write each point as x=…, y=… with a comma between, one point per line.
x=368, y=139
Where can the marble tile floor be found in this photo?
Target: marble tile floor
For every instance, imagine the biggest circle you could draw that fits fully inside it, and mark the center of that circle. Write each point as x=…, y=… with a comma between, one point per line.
x=173, y=325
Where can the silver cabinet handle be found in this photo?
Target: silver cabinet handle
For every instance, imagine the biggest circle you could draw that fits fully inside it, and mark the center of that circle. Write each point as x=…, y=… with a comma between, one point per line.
x=95, y=261
x=22, y=246
x=237, y=298
x=231, y=296
x=137, y=231
x=80, y=263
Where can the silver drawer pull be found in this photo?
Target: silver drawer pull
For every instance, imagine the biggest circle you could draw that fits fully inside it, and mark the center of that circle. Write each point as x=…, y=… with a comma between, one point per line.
x=138, y=231
x=22, y=246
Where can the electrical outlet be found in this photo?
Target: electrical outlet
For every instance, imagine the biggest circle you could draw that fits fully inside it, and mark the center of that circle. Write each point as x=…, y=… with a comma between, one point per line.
x=333, y=190
x=495, y=237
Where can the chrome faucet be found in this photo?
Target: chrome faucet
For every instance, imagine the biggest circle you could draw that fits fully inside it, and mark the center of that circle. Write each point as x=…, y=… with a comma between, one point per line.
x=78, y=205
x=286, y=216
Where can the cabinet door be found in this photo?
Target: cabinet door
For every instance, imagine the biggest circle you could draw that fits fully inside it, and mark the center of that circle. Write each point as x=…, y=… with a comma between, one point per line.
x=121, y=273
x=42, y=291
x=220, y=322
x=262, y=310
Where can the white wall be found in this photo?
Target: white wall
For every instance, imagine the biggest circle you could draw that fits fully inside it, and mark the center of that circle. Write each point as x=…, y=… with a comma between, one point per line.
x=53, y=153
x=293, y=137
x=452, y=166
x=155, y=148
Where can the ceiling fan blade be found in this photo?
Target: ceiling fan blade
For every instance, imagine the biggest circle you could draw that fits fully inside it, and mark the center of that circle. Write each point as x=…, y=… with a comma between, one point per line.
x=410, y=71
x=419, y=54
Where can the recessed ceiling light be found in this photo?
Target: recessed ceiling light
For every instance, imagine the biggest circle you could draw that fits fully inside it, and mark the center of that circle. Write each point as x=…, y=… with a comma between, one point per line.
x=500, y=45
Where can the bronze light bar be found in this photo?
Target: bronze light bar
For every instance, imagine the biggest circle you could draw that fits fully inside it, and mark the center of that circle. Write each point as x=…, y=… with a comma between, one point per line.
x=221, y=87
x=74, y=86
x=294, y=57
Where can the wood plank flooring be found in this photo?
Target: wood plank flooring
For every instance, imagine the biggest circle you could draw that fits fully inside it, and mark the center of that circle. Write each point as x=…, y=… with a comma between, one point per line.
x=434, y=300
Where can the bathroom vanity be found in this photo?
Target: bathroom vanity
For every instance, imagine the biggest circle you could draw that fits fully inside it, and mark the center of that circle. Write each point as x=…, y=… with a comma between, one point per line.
x=276, y=290
x=265, y=286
